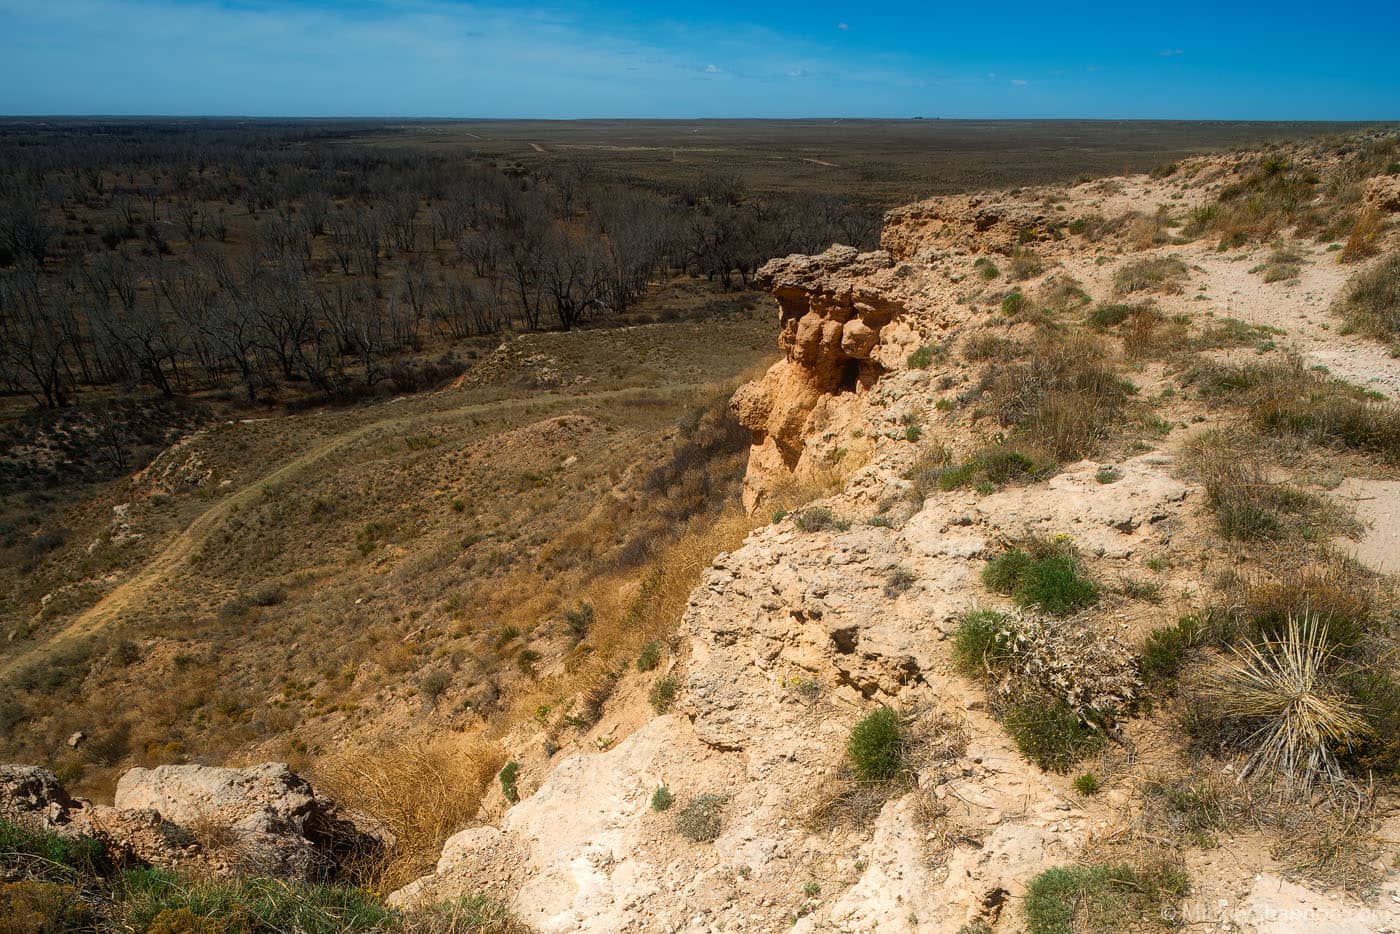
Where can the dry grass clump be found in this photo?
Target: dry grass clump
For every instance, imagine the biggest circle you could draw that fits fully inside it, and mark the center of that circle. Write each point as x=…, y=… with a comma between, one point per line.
x=1024, y=264
x=1165, y=274
x=1066, y=399
x=982, y=346
x=1365, y=237
x=422, y=792
x=1287, y=398
x=1371, y=304
x=985, y=469
x=1190, y=808
x=1283, y=263
x=1281, y=700
x=1338, y=591
x=901, y=747
x=1062, y=293
x=627, y=619
x=1248, y=504
x=1273, y=195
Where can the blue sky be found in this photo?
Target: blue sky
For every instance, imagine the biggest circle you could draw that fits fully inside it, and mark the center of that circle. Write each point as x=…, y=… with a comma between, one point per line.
x=1192, y=60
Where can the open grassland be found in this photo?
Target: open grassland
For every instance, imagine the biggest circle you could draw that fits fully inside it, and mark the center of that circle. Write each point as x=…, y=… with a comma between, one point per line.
x=882, y=162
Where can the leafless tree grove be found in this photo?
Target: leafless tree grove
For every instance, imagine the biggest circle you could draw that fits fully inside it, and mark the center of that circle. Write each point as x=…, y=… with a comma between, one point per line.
x=187, y=255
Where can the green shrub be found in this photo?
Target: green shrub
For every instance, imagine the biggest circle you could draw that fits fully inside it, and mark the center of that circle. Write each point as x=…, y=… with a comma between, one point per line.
x=986, y=268
x=649, y=657
x=661, y=799
x=1113, y=314
x=1376, y=694
x=1050, y=582
x=1371, y=304
x=508, y=775
x=818, y=519
x=43, y=854
x=1048, y=732
x=663, y=694
x=1164, y=650
x=1151, y=274
x=1108, y=899
x=1087, y=784
x=980, y=643
x=921, y=359
x=251, y=905
x=995, y=464
x=1014, y=304
x=875, y=749
x=699, y=820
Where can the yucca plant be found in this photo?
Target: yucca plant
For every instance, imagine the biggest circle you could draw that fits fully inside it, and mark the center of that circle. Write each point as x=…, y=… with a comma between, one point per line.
x=1280, y=690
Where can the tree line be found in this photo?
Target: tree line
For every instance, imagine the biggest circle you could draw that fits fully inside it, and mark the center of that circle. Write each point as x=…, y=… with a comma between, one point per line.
x=192, y=255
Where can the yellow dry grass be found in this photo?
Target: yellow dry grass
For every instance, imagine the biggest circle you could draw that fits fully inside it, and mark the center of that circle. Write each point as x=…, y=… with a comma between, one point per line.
x=422, y=791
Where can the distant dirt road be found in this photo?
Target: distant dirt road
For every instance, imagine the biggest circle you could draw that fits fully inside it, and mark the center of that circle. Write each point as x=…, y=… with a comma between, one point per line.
x=175, y=554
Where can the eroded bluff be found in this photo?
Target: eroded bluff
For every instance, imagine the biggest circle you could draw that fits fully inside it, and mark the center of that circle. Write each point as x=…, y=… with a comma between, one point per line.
x=839, y=330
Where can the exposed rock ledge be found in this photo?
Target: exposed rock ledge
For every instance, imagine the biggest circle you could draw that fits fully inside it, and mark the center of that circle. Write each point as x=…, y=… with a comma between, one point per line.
x=265, y=818
x=839, y=331
x=587, y=853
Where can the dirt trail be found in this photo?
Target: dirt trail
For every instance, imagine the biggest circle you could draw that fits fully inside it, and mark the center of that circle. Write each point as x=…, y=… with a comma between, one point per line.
x=175, y=554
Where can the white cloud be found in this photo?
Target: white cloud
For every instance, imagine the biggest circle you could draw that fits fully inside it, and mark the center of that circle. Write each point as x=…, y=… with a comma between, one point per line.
x=1020, y=82
x=1169, y=52
x=712, y=69
x=842, y=26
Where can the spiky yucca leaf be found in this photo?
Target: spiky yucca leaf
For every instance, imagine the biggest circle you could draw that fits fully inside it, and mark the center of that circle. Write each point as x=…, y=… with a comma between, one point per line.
x=1281, y=687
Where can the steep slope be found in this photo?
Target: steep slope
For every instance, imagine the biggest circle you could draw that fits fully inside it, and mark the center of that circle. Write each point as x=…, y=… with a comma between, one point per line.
x=890, y=379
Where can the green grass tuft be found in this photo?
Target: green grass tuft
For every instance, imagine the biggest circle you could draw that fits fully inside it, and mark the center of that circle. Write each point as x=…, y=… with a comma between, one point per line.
x=979, y=643
x=875, y=749
x=1051, y=582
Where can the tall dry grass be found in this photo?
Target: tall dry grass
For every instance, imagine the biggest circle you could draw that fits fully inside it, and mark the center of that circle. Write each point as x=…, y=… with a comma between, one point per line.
x=628, y=615
x=422, y=791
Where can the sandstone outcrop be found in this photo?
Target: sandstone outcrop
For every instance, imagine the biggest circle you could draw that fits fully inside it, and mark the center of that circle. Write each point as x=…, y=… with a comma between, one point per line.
x=835, y=330
x=28, y=792
x=980, y=223
x=263, y=819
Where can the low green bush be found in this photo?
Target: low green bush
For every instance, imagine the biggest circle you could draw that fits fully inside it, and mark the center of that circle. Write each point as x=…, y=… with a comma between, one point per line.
x=1050, y=582
x=1014, y=303
x=875, y=748
x=980, y=642
x=663, y=694
x=995, y=464
x=1165, y=649
x=1087, y=784
x=661, y=799
x=649, y=657
x=507, y=776
x=818, y=519
x=1102, y=898
x=1048, y=732
x=31, y=852
x=157, y=899
x=700, y=820
x=921, y=359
